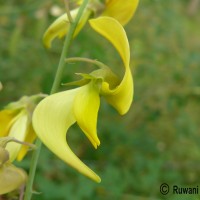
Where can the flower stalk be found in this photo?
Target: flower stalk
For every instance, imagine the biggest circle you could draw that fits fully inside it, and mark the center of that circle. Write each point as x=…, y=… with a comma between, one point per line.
x=88, y=60
x=55, y=87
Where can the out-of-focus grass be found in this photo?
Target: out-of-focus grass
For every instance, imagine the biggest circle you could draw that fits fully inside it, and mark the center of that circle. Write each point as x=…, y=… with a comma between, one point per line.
x=157, y=141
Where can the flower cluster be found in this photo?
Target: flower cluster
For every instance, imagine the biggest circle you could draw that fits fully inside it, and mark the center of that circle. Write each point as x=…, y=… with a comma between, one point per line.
x=58, y=112
x=50, y=117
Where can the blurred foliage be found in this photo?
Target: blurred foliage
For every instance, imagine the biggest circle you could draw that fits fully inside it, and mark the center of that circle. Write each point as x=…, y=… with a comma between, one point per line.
x=157, y=142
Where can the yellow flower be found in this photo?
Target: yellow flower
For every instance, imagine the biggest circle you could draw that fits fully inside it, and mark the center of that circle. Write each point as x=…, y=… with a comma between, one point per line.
x=15, y=121
x=11, y=177
x=119, y=9
x=60, y=26
x=55, y=114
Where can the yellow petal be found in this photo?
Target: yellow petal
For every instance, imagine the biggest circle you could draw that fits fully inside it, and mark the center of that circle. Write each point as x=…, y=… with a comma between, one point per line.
x=121, y=10
x=112, y=30
x=11, y=178
x=30, y=137
x=86, y=106
x=18, y=131
x=60, y=27
x=7, y=117
x=120, y=97
x=51, y=120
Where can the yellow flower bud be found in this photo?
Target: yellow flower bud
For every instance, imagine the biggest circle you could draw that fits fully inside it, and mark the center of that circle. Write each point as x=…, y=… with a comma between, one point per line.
x=11, y=178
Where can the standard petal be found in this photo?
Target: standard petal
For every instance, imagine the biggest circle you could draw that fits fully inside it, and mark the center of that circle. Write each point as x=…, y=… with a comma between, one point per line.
x=11, y=178
x=121, y=96
x=112, y=30
x=60, y=27
x=18, y=131
x=51, y=120
x=121, y=10
x=86, y=106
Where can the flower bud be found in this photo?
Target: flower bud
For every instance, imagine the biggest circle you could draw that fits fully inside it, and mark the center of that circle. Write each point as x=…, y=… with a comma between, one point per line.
x=11, y=178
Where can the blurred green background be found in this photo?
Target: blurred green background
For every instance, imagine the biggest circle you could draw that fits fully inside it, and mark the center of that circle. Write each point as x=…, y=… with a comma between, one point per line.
x=157, y=142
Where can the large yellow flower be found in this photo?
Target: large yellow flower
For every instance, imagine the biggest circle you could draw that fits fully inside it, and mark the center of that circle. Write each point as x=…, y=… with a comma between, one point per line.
x=16, y=122
x=119, y=9
x=56, y=113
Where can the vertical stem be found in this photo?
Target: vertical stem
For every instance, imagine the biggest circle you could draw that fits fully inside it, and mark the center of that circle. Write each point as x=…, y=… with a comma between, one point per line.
x=55, y=86
x=33, y=166
x=66, y=46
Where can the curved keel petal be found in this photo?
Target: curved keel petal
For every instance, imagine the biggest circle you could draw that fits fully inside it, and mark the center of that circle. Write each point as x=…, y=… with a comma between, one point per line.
x=86, y=107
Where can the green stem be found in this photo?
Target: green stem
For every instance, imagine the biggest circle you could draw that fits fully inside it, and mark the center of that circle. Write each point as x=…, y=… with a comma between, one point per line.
x=66, y=46
x=55, y=86
x=33, y=166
